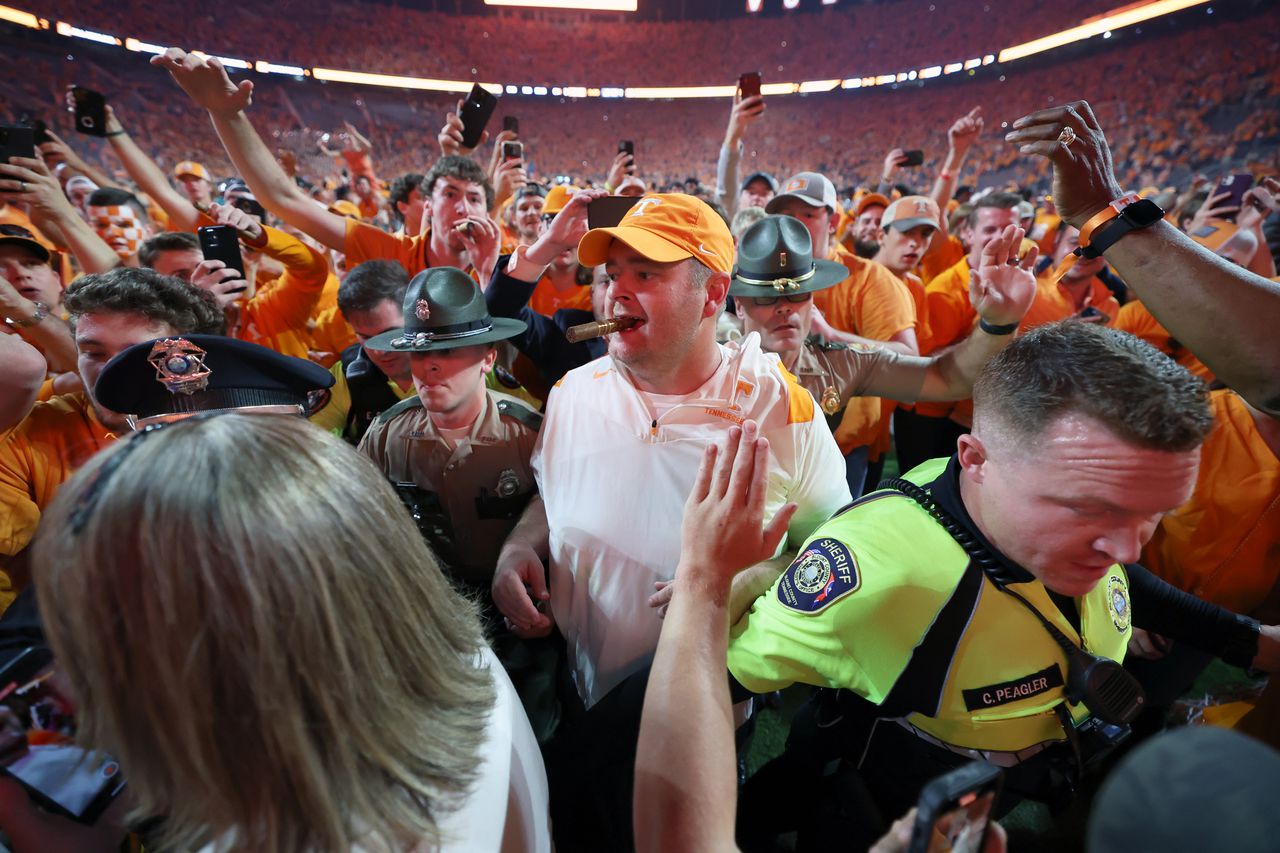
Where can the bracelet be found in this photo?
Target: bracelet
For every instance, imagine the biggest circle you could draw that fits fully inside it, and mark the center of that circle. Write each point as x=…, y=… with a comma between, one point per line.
x=42, y=311
x=1006, y=329
x=114, y=133
x=1111, y=211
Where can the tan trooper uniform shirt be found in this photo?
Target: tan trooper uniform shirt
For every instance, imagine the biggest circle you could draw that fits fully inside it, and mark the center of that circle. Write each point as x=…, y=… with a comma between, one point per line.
x=834, y=372
x=483, y=484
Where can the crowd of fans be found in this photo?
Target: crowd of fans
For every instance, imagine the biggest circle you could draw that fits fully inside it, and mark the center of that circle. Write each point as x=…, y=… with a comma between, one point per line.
x=1216, y=107
x=365, y=488
x=515, y=48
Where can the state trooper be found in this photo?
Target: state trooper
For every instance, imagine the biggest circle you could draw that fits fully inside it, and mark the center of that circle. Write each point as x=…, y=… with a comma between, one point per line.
x=457, y=451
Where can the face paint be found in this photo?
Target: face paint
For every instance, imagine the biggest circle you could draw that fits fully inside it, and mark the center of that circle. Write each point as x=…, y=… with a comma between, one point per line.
x=119, y=227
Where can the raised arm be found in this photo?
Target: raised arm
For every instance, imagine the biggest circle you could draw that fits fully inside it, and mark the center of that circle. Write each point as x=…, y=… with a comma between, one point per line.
x=1220, y=312
x=24, y=370
x=686, y=782
x=53, y=214
x=183, y=215
x=206, y=82
x=960, y=139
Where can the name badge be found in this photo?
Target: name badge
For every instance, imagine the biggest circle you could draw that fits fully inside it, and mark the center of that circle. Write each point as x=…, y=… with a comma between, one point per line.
x=1012, y=691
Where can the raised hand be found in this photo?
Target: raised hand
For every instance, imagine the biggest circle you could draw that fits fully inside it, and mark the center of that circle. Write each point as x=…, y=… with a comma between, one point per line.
x=1003, y=288
x=744, y=113
x=206, y=82
x=1083, y=179
x=724, y=529
x=965, y=129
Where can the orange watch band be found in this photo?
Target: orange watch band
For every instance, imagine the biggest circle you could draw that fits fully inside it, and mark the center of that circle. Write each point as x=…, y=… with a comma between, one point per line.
x=1108, y=213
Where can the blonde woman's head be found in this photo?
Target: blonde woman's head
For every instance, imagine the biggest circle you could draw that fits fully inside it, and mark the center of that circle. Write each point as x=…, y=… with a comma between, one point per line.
x=254, y=627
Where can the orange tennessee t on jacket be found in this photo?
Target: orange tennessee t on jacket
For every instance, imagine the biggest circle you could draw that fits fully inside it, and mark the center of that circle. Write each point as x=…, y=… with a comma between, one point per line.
x=1223, y=545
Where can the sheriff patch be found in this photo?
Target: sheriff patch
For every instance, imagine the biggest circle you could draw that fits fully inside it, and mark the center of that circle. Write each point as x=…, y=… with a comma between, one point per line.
x=1118, y=604
x=821, y=575
x=1012, y=691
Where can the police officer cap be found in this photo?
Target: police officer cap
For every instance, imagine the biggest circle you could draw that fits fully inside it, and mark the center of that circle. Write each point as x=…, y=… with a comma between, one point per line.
x=444, y=309
x=185, y=374
x=775, y=258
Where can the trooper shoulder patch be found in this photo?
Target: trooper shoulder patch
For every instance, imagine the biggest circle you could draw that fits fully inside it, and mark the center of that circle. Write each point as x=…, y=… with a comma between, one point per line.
x=822, y=574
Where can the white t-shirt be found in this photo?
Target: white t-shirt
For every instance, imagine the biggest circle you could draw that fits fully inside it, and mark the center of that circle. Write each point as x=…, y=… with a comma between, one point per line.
x=507, y=809
x=615, y=479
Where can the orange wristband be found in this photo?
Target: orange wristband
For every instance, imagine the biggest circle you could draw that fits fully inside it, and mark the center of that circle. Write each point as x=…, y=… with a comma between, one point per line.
x=1108, y=213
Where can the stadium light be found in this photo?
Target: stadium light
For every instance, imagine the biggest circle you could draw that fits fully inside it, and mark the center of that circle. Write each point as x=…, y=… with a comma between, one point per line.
x=1097, y=25
x=264, y=67
x=65, y=29
x=589, y=5
x=366, y=79
x=753, y=6
x=25, y=19
x=790, y=4
x=142, y=46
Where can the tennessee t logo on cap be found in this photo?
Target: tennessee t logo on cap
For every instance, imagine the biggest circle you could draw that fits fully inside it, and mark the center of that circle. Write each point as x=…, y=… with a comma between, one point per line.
x=795, y=184
x=666, y=228
x=644, y=204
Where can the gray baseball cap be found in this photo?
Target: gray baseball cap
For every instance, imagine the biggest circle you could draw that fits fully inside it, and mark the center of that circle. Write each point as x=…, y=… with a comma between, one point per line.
x=810, y=188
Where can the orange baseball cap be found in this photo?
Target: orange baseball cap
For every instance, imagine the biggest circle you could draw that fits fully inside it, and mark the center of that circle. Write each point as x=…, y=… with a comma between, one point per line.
x=869, y=200
x=665, y=227
x=909, y=211
x=557, y=197
x=342, y=207
x=191, y=167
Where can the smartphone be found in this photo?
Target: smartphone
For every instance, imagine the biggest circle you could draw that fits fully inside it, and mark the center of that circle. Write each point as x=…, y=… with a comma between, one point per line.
x=915, y=157
x=511, y=123
x=222, y=243
x=627, y=146
x=512, y=151
x=1236, y=186
x=749, y=84
x=1093, y=315
x=37, y=743
x=16, y=141
x=41, y=132
x=475, y=113
x=91, y=111
x=607, y=211
x=955, y=809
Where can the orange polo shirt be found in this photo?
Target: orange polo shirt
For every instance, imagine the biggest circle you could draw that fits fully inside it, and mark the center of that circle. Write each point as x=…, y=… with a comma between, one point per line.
x=874, y=303
x=1054, y=302
x=1223, y=545
x=1135, y=319
x=36, y=458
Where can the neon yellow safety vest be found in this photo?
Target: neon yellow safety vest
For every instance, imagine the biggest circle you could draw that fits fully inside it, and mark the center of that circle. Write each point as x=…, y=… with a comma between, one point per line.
x=879, y=578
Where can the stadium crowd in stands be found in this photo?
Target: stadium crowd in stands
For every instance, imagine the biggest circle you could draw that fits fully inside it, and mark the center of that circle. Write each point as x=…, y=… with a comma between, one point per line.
x=498, y=502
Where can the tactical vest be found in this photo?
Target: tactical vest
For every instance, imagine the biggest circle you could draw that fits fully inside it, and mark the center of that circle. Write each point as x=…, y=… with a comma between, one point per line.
x=986, y=675
x=370, y=393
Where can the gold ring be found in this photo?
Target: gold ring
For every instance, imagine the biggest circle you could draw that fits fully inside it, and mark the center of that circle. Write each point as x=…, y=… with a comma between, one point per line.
x=1067, y=136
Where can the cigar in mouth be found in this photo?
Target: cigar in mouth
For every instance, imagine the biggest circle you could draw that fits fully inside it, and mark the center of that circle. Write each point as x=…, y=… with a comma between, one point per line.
x=598, y=329
x=463, y=227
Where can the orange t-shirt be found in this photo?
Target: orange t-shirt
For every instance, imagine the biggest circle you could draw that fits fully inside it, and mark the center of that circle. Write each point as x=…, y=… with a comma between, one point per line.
x=358, y=163
x=941, y=258
x=546, y=300
x=1223, y=545
x=364, y=242
x=1054, y=302
x=1135, y=319
x=874, y=303
x=951, y=319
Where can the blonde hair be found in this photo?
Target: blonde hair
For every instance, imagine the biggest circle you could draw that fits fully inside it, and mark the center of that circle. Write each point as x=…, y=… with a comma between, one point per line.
x=256, y=630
